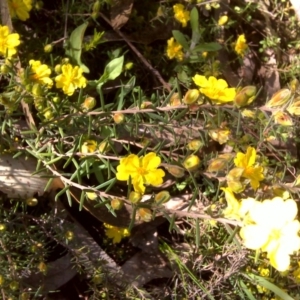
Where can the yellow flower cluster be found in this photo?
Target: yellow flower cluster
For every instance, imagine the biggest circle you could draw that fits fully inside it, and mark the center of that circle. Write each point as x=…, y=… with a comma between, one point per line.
x=269, y=226
x=142, y=170
x=241, y=45
x=181, y=15
x=174, y=50
x=216, y=90
x=20, y=9
x=8, y=42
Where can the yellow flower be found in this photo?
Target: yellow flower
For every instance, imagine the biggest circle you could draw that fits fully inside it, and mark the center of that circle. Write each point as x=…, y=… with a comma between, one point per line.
x=215, y=89
x=241, y=45
x=142, y=170
x=273, y=230
x=181, y=15
x=40, y=73
x=70, y=79
x=20, y=8
x=247, y=161
x=174, y=50
x=116, y=233
x=8, y=42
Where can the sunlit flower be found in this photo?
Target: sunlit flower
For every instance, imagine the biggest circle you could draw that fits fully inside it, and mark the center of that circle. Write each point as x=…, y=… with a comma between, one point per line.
x=40, y=73
x=181, y=15
x=20, y=8
x=294, y=108
x=116, y=233
x=8, y=42
x=215, y=89
x=251, y=172
x=70, y=79
x=273, y=230
x=174, y=50
x=142, y=170
x=241, y=45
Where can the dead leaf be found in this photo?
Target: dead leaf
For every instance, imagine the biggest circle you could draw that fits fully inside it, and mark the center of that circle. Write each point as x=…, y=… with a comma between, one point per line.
x=120, y=12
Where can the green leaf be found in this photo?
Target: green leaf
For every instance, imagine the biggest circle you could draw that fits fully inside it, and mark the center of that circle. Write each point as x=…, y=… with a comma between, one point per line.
x=75, y=46
x=207, y=47
x=194, y=20
x=270, y=286
x=112, y=70
x=180, y=38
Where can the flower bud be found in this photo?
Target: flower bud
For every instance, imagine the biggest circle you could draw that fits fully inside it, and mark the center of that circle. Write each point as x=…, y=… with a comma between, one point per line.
x=245, y=96
x=175, y=100
x=4, y=69
x=146, y=104
x=192, y=162
x=216, y=165
x=89, y=146
x=294, y=85
x=135, y=197
x=104, y=147
x=2, y=227
x=42, y=267
x=282, y=118
x=65, y=60
x=144, y=214
x=96, y=6
x=14, y=285
x=88, y=103
x=222, y=20
x=279, y=98
x=48, y=48
x=56, y=99
x=191, y=96
x=118, y=118
x=247, y=113
x=128, y=66
x=57, y=69
x=294, y=108
x=116, y=203
x=195, y=145
x=32, y=201
x=69, y=235
x=48, y=114
x=176, y=171
x=162, y=197
x=91, y=195
x=37, y=90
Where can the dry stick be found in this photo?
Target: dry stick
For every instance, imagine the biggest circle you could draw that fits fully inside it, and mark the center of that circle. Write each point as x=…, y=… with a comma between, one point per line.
x=6, y=20
x=139, y=55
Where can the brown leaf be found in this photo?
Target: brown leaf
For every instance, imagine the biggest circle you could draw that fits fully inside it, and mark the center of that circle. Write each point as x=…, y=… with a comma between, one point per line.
x=120, y=12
